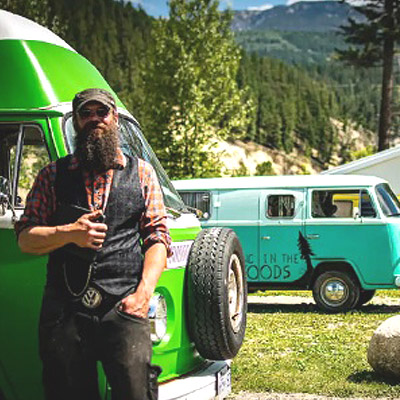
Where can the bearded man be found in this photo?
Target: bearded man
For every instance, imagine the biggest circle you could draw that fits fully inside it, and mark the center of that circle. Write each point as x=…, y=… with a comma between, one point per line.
x=96, y=213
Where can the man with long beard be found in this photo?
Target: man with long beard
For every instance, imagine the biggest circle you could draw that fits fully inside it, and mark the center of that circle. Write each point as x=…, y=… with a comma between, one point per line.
x=90, y=211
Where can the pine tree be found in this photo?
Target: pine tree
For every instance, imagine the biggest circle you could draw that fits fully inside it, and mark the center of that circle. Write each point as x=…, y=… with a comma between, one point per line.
x=375, y=41
x=192, y=93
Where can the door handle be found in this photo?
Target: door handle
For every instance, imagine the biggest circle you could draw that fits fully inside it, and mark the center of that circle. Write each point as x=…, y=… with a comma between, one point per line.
x=313, y=236
x=265, y=237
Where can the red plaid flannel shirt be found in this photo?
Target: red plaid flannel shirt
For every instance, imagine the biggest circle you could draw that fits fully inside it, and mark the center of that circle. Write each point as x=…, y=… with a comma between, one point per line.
x=41, y=200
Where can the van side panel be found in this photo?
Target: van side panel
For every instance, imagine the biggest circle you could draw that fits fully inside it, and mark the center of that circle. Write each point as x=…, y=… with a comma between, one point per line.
x=394, y=234
x=283, y=259
x=22, y=277
x=351, y=241
x=239, y=210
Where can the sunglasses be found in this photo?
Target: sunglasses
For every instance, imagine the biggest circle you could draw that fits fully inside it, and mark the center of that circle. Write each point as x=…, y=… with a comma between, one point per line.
x=100, y=112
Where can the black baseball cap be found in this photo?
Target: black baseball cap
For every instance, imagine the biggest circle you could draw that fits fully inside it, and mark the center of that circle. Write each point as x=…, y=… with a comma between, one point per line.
x=95, y=94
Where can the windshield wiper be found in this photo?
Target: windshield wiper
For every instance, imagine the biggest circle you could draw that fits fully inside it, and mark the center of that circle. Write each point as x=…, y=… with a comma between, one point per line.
x=394, y=215
x=175, y=213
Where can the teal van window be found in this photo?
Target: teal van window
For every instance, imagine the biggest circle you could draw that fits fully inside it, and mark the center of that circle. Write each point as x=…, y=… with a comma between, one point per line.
x=342, y=204
x=198, y=200
x=280, y=206
x=388, y=201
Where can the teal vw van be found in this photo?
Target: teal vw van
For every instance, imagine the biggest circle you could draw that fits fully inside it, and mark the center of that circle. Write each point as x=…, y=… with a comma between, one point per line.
x=338, y=235
x=195, y=321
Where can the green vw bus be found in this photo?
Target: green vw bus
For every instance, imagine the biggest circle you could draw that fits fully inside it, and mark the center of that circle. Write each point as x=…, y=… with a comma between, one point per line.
x=194, y=320
x=338, y=235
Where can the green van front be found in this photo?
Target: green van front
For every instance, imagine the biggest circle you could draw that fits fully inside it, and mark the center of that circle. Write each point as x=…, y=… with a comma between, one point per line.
x=39, y=76
x=336, y=235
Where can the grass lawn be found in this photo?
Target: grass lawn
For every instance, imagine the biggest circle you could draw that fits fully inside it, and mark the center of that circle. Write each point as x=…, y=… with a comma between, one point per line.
x=394, y=293
x=298, y=349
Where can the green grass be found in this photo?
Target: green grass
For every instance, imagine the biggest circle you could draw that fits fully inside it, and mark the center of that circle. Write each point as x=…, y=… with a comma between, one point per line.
x=301, y=293
x=393, y=293
x=297, y=349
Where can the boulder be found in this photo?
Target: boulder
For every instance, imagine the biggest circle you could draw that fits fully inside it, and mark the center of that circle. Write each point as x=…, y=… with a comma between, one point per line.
x=384, y=348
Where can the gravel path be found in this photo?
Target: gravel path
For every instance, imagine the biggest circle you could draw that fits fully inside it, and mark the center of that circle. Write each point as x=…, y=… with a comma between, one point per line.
x=297, y=300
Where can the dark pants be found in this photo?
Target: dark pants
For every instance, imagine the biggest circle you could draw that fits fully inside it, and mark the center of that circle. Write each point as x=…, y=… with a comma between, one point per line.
x=72, y=340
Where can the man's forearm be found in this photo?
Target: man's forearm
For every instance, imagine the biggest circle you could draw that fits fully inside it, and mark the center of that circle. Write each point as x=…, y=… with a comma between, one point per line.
x=84, y=232
x=43, y=239
x=155, y=260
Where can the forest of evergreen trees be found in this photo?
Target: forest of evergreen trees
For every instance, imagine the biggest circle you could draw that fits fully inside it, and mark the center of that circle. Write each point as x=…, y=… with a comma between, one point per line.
x=291, y=104
x=357, y=90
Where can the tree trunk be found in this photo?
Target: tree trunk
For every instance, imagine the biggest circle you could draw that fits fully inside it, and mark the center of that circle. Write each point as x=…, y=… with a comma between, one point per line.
x=387, y=79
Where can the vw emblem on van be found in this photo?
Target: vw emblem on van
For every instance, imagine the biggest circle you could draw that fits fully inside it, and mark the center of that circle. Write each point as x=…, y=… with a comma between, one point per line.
x=92, y=298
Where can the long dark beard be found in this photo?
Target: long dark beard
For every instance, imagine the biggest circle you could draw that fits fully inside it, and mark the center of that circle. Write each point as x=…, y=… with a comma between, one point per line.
x=96, y=152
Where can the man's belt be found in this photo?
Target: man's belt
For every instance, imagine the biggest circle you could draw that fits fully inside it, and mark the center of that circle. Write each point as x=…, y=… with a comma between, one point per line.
x=92, y=298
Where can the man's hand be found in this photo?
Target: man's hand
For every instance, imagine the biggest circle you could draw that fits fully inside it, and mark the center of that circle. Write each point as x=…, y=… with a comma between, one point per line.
x=86, y=232
x=155, y=260
x=136, y=304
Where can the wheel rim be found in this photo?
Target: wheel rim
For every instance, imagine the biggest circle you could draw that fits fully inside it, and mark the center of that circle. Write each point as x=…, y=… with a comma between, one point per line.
x=335, y=292
x=235, y=293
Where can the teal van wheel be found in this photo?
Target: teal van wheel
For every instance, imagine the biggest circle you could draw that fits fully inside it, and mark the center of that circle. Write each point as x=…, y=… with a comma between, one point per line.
x=365, y=297
x=336, y=291
x=217, y=294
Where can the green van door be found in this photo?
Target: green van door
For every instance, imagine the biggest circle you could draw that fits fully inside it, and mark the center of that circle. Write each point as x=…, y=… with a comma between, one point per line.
x=24, y=150
x=282, y=257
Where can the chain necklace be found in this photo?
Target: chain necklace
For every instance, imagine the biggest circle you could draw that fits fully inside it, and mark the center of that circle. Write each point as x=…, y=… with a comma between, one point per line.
x=84, y=287
x=96, y=206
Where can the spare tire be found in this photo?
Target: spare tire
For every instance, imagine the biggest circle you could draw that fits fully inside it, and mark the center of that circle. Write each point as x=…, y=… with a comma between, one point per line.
x=217, y=294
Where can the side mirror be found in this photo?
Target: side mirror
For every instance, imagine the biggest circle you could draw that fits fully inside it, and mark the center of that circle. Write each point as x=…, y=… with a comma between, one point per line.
x=4, y=195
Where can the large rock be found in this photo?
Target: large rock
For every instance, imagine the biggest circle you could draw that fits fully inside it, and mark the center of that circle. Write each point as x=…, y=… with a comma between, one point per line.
x=384, y=348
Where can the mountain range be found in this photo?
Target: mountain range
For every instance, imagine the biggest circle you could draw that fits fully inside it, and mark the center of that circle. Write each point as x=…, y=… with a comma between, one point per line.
x=305, y=16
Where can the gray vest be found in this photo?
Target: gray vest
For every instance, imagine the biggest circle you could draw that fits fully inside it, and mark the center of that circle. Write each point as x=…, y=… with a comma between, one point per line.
x=117, y=267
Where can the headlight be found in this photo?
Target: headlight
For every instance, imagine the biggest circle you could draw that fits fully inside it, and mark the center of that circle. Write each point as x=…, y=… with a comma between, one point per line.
x=158, y=317
x=397, y=281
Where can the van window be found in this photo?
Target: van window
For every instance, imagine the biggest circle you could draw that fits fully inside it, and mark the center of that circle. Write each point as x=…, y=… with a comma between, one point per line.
x=199, y=200
x=388, y=201
x=341, y=204
x=23, y=154
x=280, y=206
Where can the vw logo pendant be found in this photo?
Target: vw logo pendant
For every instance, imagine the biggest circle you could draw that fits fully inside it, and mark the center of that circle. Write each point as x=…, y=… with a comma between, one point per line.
x=92, y=298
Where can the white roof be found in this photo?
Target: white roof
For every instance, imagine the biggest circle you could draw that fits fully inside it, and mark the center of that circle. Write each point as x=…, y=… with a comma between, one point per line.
x=283, y=181
x=354, y=166
x=13, y=26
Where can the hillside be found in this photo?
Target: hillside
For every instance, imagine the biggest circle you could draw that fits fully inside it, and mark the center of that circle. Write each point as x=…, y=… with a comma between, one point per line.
x=242, y=158
x=305, y=16
x=300, y=48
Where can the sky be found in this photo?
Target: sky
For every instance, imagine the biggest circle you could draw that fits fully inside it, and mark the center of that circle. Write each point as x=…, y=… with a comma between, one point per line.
x=158, y=8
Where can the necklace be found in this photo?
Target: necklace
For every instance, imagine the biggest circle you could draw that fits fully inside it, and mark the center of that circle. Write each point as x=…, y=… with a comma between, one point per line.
x=84, y=287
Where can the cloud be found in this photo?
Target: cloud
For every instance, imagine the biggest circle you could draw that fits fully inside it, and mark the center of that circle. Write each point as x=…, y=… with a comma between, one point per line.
x=352, y=2
x=290, y=2
x=356, y=2
x=227, y=3
x=260, y=8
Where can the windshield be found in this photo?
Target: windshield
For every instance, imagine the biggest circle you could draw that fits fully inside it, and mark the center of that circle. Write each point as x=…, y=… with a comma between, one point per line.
x=388, y=201
x=133, y=143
